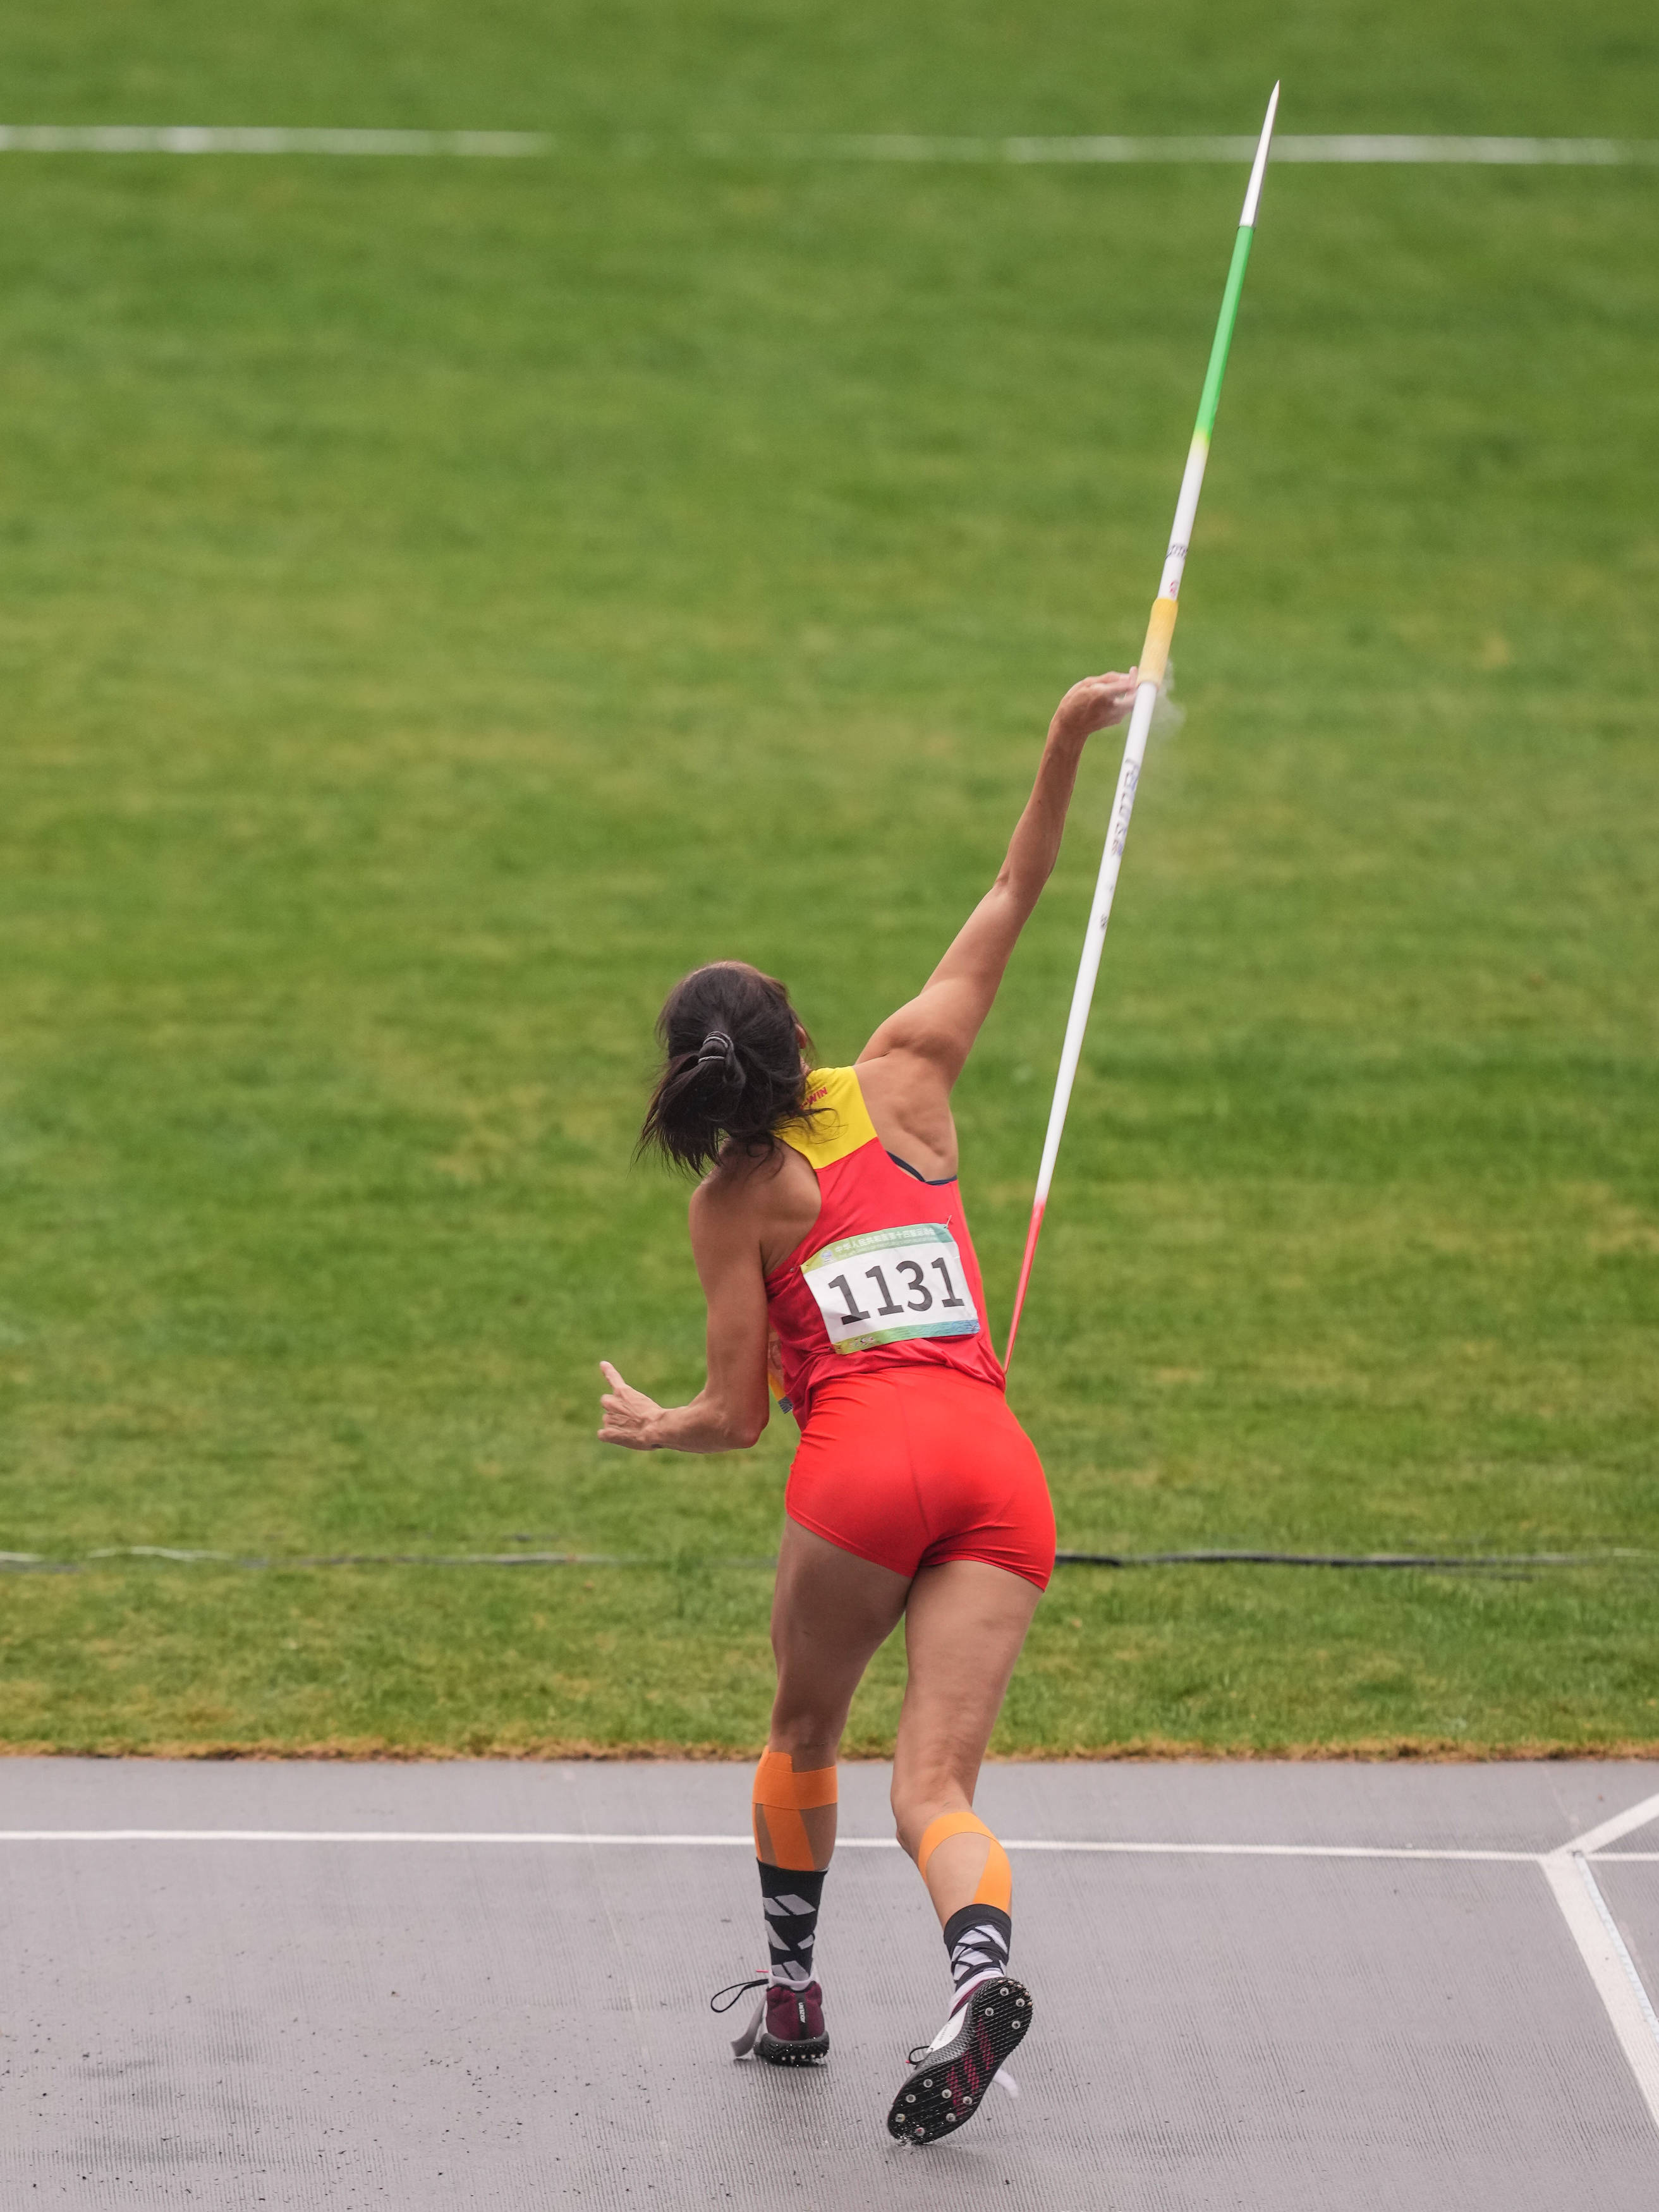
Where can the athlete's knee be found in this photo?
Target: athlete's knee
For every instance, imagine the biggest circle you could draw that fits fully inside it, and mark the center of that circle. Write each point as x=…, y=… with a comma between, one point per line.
x=916, y=1807
x=927, y=1784
x=810, y=1739
x=803, y=1723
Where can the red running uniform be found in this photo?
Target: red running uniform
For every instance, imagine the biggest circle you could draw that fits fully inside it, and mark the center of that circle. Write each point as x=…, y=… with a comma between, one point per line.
x=909, y=1454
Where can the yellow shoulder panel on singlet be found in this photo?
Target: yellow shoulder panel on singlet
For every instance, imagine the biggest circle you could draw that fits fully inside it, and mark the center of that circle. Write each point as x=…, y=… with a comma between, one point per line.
x=842, y=1123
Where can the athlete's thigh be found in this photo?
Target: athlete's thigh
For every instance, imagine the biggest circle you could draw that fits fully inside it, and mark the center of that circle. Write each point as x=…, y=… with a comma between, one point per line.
x=832, y=1611
x=963, y=1627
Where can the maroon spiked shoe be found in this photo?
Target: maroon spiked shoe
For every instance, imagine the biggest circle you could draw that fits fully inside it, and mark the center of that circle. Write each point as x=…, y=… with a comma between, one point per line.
x=787, y=2028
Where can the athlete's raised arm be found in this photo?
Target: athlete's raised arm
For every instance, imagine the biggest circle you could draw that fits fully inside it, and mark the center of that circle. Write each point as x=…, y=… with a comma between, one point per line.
x=934, y=1032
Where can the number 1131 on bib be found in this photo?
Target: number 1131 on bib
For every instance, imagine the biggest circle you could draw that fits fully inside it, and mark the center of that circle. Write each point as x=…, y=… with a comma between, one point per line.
x=892, y=1285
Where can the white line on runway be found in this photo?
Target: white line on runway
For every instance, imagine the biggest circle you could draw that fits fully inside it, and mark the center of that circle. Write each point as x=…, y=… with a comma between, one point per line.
x=1621, y=1824
x=1611, y=1968
x=371, y=1836
x=1342, y=147
x=449, y=1836
x=1620, y=1949
x=1567, y=1870
x=1279, y=1850
x=1601, y=1946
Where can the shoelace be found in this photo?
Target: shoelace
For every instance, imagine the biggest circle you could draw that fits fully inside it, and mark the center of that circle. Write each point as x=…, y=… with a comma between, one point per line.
x=744, y=2044
x=922, y=2049
x=733, y=1990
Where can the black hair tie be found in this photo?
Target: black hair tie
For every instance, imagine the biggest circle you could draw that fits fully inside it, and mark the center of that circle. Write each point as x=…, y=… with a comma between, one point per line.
x=717, y=1049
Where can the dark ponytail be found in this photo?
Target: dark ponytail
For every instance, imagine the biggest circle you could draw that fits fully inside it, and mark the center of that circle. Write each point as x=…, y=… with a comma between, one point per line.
x=732, y=1072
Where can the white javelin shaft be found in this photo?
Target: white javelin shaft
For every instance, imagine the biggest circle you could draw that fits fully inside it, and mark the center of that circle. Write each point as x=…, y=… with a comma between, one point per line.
x=1083, y=992
x=1129, y=775
x=1154, y=659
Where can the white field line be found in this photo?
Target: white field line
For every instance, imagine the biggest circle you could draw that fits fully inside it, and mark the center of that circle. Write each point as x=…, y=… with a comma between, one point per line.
x=1367, y=147
x=1611, y=1968
x=1343, y=147
x=189, y=138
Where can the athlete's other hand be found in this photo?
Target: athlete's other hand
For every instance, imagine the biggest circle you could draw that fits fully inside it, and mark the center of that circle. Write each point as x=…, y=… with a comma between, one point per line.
x=630, y=1418
x=1095, y=704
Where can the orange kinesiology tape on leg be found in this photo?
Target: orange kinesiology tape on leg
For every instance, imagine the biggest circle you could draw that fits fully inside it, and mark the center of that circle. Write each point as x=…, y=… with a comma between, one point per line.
x=996, y=1880
x=782, y=1796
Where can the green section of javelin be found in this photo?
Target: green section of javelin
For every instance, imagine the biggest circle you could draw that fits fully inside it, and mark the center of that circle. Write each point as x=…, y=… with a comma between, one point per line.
x=1211, y=397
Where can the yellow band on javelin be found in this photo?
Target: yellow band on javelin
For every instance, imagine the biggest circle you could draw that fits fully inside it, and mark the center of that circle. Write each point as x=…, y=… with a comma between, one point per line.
x=1155, y=653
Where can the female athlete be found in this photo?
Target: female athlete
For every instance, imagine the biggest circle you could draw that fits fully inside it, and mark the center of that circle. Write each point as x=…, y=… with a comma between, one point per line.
x=832, y=1247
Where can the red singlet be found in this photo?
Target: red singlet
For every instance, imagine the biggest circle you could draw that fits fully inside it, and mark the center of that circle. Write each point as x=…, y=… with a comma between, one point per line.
x=908, y=1453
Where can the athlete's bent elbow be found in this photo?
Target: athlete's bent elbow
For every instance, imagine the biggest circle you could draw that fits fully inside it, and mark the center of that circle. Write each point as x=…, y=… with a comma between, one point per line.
x=740, y=1431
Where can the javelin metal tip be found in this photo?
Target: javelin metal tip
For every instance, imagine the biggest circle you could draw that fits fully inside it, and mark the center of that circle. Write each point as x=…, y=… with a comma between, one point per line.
x=1258, y=167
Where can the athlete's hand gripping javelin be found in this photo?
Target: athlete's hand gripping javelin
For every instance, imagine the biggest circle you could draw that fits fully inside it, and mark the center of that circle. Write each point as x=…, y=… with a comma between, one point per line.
x=909, y=1065
x=1096, y=704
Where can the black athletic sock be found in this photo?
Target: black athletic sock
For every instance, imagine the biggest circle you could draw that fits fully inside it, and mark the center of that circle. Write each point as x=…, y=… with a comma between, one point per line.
x=790, y=1897
x=978, y=1939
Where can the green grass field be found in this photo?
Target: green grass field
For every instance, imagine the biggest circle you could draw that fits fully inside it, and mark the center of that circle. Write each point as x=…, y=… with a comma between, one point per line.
x=443, y=600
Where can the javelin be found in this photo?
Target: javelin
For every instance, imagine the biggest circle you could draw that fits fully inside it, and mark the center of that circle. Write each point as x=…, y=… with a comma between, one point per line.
x=1154, y=658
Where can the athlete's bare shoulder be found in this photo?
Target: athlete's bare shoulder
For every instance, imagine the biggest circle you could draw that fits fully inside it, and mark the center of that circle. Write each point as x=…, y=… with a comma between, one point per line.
x=770, y=1198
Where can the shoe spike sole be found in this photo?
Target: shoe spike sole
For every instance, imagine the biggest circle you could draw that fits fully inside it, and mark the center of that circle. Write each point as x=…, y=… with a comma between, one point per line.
x=772, y=2051
x=948, y=2087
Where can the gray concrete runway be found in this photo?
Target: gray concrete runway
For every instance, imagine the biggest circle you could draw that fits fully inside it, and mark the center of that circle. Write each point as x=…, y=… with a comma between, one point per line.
x=438, y=2014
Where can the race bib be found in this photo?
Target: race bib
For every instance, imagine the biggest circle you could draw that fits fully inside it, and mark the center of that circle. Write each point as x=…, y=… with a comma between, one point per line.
x=891, y=1285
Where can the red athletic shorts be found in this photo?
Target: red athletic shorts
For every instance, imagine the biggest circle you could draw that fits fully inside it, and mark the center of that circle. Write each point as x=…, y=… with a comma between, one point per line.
x=910, y=1466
